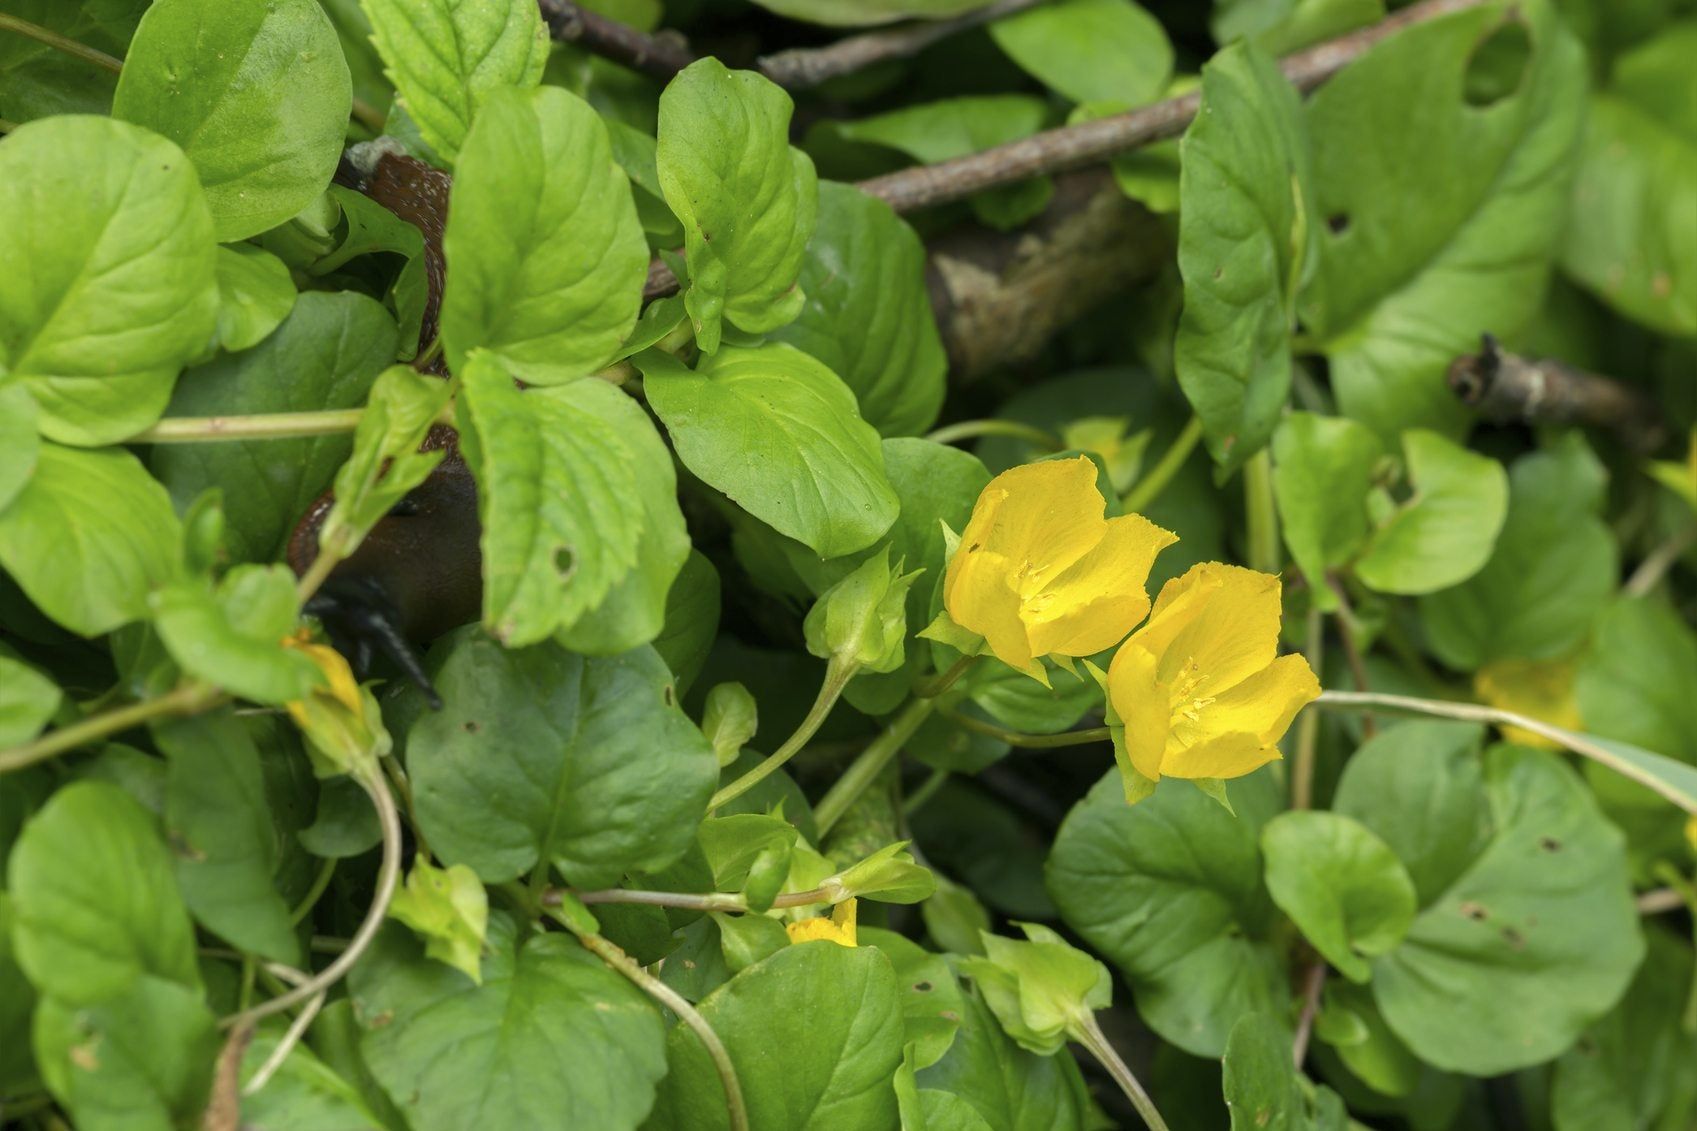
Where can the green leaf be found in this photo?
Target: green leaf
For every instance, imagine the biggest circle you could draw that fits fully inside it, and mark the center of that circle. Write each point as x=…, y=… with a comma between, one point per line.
x=729, y=720
x=1536, y=940
x=1554, y=567
x=723, y=145
x=1008, y=1088
x=598, y=770
x=692, y=620
x=1283, y=26
x=780, y=434
x=1245, y=220
x=1263, y=1091
x=37, y=80
x=139, y=1058
x=1418, y=787
x=20, y=444
x=857, y=13
x=1442, y=203
x=255, y=294
x=1042, y=990
x=114, y=535
x=555, y=477
x=325, y=355
x=258, y=96
x=1343, y=887
x=549, y=1032
x=1170, y=891
x=28, y=700
x=1322, y=469
x=110, y=285
x=1446, y=530
x=931, y=997
x=232, y=637
x=1638, y=680
x=448, y=908
x=446, y=58
x=815, y=1032
x=304, y=1094
x=868, y=313
x=220, y=830
x=95, y=905
x=1628, y=238
x=386, y=462
x=552, y=288
x=1090, y=50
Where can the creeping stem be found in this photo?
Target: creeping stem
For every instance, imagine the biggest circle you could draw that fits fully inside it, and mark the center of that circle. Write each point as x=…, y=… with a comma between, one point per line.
x=188, y=699
x=1147, y=489
x=1029, y=741
x=1096, y=1043
x=837, y=675
x=864, y=770
x=59, y=43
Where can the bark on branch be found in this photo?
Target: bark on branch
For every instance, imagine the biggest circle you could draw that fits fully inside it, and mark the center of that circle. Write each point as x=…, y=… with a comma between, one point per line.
x=1509, y=389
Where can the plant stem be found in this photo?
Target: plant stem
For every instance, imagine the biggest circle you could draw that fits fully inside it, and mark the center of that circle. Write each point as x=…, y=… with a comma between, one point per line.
x=388, y=875
x=869, y=764
x=609, y=952
x=1655, y=566
x=1347, y=626
x=285, y=1046
x=54, y=40
x=1147, y=489
x=1308, y=727
x=686, y=900
x=970, y=429
x=1029, y=741
x=368, y=116
x=1580, y=744
x=941, y=682
x=916, y=800
x=837, y=676
x=1312, y=985
x=1263, y=512
x=323, y=565
x=316, y=892
x=188, y=699
x=1660, y=901
x=1096, y=1043
x=260, y=426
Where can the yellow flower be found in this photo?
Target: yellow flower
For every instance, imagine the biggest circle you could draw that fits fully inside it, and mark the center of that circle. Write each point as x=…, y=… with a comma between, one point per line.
x=1040, y=572
x=839, y=928
x=1201, y=688
x=340, y=719
x=1541, y=689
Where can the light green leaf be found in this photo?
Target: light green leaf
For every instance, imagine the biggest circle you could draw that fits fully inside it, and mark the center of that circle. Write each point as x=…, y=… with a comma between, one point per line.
x=1343, y=887
x=748, y=201
x=449, y=910
x=549, y=1032
x=599, y=771
x=304, y=1094
x=1554, y=567
x=1322, y=469
x=1042, y=990
x=553, y=287
x=1445, y=532
x=110, y=288
x=778, y=433
x=1283, y=26
x=1170, y=891
x=325, y=355
x=220, y=829
x=1263, y=1091
x=255, y=294
x=1638, y=680
x=858, y=13
x=692, y=620
x=1245, y=219
x=1006, y=1087
x=258, y=96
x=386, y=461
x=868, y=312
x=20, y=443
x=1536, y=940
x=27, y=700
x=729, y=720
x=113, y=530
x=1441, y=177
x=95, y=906
x=1090, y=50
x=139, y=1058
x=931, y=996
x=555, y=478
x=1629, y=237
x=446, y=58
x=815, y=1032
x=232, y=636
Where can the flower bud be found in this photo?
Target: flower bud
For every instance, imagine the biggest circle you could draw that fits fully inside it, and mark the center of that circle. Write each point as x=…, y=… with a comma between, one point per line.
x=862, y=619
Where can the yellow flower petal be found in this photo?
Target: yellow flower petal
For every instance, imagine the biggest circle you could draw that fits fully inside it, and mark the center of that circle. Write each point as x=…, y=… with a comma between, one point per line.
x=1233, y=634
x=1096, y=601
x=1142, y=707
x=1222, y=756
x=984, y=603
x=1541, y=689
x=1045, y=515
x=1266, y=702
x=839, y=928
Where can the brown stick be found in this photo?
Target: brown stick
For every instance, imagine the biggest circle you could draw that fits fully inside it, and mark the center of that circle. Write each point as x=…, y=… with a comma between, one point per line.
x=658, y=56
x=1507, y=388
x=802, y=68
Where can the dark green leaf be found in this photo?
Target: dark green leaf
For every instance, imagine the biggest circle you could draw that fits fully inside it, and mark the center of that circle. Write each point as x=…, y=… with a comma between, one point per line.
x=1008, y=1088
x=255, y=294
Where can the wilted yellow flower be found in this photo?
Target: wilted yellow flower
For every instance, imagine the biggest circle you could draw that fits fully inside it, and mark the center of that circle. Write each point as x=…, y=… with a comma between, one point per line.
x=1041, y=572
x=839, y=928
x=340, y=719
x=1541, y=689
x=1201, y=688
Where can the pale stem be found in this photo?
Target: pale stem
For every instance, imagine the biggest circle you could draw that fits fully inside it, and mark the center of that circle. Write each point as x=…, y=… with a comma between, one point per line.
x=291, y=1038
x=1147, y=489
x=1013, y=429
x=1313, y=985
x=188, y=699
x=837, y=675
x=1308, y=727
x=864, y=770
x=259, y=426
x=1029, y=741
x=1263, y=512
x=1654, y=567
x=1096, y=1043
x=942, y=681
x=59, y=43
x=686, y=900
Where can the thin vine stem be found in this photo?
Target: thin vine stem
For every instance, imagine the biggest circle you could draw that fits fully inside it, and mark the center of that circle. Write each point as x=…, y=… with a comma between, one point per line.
x=259, y=426
x=837, y=676
x=686, y=900
x=1656, y=564
x=1147, y=489
x=1012, y=429
x=188, y=699
x=1262, y=511
x=388, y=876
x=1029, y=741
x=60, y=43
x=870, y=763
x=942, y=681
x=1308, y=726
x=1314, y=982
x=1096, y=1043
x=320, y=883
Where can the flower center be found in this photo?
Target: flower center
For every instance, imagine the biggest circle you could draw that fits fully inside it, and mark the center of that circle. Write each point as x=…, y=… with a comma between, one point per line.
x=1187, y=706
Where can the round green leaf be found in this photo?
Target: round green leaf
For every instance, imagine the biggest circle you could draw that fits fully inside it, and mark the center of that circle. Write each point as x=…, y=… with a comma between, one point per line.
x=550, y=1034
x=109, y=288
x=815, y=1032
x=27, y=700
x=1638, y=680
x=258, y=96
x=1342, y=886
x=1170, y=891
x=95, y=905
x=552, y=287
x=1445, y=532
x=113, y=532
x=1090, y=50
x=20, y=443
x=1006, y=1087
x=1322, y=469
x=255, y=294
x=232, y=636
x=780, y=434
x=591, y=765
